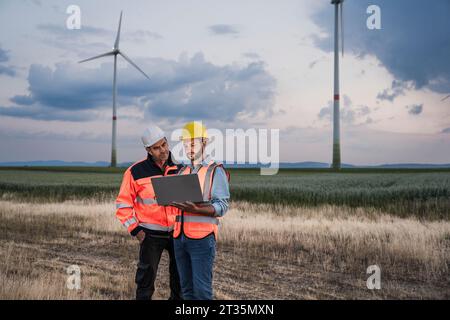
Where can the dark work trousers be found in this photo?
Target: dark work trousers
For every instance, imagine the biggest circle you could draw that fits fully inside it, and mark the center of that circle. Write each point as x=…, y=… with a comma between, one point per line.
x=149, y=256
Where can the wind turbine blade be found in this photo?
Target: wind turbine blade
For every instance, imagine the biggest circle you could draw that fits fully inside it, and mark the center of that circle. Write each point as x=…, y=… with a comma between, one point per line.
x=342, y=26
x=446, y=98
x=99, y=56
x=116, y=44
x=133, y=64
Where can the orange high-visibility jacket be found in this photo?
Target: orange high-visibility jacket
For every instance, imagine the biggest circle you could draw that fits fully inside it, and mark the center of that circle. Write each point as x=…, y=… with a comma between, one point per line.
x=136, y=204
x=194, y=225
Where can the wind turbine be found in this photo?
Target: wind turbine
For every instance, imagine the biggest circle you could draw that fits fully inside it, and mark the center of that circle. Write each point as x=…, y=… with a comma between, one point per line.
x=338, y=28
x=446, y=98
x=114, y=53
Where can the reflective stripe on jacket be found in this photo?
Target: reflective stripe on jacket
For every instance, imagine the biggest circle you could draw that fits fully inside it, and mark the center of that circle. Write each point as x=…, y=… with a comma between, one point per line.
x=193, y=225
x=136, y=204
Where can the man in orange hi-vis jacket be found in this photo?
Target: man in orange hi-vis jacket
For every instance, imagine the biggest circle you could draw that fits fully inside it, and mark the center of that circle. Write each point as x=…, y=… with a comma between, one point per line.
x=196, y=225
x=144, y=219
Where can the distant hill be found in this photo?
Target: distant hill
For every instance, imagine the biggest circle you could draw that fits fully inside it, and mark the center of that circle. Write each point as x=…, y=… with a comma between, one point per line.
x=54, y=163
x=411, y=165
x=286, y=165
x=306, y=164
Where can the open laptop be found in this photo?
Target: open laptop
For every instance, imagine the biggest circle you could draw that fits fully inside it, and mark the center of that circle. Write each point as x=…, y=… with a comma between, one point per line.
x=179, y=188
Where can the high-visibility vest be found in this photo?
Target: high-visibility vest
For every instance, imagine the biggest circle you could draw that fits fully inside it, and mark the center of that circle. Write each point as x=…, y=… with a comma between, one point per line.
x=136, y=203
x=194, y=225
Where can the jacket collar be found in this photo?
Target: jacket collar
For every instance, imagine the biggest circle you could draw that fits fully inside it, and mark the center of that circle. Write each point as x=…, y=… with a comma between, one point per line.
x=171, y=161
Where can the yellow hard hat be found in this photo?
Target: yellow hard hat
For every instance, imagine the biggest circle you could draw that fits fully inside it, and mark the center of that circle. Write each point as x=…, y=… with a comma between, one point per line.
x=194, y=129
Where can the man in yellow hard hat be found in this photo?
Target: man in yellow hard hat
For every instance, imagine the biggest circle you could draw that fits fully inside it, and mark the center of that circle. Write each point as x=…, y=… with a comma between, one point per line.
x=196, y=224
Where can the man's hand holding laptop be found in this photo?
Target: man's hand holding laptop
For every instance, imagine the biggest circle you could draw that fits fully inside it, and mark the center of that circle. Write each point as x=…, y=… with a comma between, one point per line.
x=202, y=207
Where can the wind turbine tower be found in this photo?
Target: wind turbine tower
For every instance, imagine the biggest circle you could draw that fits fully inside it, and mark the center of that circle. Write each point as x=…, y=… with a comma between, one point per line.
x=338, y=28
x=114, y=53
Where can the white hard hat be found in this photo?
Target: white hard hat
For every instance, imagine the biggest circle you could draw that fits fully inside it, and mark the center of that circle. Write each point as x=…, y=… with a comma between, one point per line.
x=152, y=135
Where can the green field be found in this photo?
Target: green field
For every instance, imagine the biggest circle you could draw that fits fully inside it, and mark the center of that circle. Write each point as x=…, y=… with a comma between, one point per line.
x=300, y=234
x=402, y=192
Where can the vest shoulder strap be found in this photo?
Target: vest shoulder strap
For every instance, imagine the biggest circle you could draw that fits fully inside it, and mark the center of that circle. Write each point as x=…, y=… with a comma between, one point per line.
x=183, y=169
x=209, y=177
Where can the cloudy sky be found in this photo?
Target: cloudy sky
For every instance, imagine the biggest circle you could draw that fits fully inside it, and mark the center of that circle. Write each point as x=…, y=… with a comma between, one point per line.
x=232, y=64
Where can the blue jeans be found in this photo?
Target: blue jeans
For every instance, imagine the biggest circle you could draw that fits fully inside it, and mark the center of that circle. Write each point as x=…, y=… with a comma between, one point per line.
x=195, y=259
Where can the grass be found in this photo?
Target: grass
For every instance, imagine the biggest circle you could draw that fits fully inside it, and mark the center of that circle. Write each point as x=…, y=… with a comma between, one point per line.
x=302, y=234
x=403, y=193
x=425, y=195
x=263, y=253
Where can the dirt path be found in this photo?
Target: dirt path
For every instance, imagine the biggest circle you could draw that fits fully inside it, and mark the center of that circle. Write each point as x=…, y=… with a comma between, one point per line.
x=237, y=274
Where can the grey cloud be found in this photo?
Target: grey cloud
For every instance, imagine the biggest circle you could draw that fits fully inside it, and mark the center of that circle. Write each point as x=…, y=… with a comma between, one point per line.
x=6, y=69
x=3, y=55
x=252, y=55
x=347, y=101
x=413, y=43
x=325, y=112
x=86, y=30
x=415, y=109
x=446, y=130
x=50, y=135
x=9, y=71
x=140, y=35
x=221, y=29
x=24, y=100
x=94, y=38
x=188, y=88
x=38, y=112
x=349, y=114
x=61, y=30
x=397, y=89
x=314, y=62
x=36, y=2
x=225, y=93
